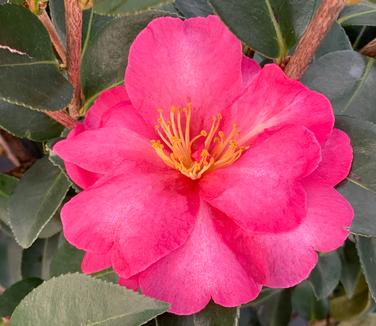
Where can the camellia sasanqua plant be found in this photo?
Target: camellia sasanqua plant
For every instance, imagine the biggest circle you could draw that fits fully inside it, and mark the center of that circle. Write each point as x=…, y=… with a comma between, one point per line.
x=188, y=162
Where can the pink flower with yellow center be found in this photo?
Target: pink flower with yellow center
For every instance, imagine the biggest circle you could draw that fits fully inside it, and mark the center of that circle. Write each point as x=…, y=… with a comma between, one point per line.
x=204, y=176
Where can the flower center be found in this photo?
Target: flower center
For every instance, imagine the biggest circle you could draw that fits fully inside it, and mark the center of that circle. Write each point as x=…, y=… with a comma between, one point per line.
x=193, y=156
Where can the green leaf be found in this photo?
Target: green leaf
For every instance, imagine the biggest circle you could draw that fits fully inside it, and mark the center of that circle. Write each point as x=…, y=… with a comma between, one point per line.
x=367, y=254
x=24, y=123
x=75, y=299
x=27, y=62
x=270, y=27
x=367, y=320
x=351, y=271
x=361, y=14
x=125, y=7
x=7, y=186
x=335, y=40
x=193, y=8
x=12, y=296
x=10, y=260
x=304, y=302
x=212, y=315
x=106, y=54
x=35, y=200
x=342, y=308
x=36, y=260
x=276, y=310
x=326, y=275
x=348, y=79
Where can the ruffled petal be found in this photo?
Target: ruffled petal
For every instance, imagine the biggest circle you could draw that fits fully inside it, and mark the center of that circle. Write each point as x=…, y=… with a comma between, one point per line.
x=103, y=150
x=93, y=263
x=203, y=268
x=274, y=100
x=173, y=62
x=130, y=283
x=262, y=191
x=250, y=68
x=130, y=214
x=336, y=161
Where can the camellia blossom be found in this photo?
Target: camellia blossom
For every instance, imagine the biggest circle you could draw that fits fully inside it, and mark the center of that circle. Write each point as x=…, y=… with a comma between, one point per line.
x=204, y=176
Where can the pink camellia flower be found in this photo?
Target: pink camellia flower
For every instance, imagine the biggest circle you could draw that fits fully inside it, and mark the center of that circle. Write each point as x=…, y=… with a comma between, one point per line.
x=205, y=176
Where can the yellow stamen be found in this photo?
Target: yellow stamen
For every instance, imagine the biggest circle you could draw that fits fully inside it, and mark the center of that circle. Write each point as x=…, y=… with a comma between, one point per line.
x=217, y=150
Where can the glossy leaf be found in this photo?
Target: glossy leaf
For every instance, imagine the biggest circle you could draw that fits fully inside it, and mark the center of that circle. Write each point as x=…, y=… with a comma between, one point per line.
x=326, y=275
x=12, y=296
x=7, y=186
x=36, y=259
x=270, y=27
x=305, y=303
x=60, y=302
x=106, y=54
x=335, y=40
x=193, y=8
x=10, y=260
x=367, y=254
x=35, y=200
x=348, y=79
x=361, y=14
x=24, y=123
x=27, y=62
x=213, y=315
x=351, y=271
x=342, y=308
x=125, y=7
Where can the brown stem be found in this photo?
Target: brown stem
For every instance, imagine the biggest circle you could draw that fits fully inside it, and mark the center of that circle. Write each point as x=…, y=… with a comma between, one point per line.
x=63, y=118
x=319, y=26
x=55, y=39
x=369, y=49
x=13, y=158
x=73, y=20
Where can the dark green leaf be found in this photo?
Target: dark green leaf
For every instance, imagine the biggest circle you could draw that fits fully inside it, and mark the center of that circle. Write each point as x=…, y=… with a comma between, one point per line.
x=367, y=254
x=268, y=26
x=326, y=275
x=194, y=8
x=106, y=54
x=57, y=13
x=27, y=62
x=212, y=315
x=36, y=259
x=361, y=14
x=7, y=186
x=24, y=123
x=75, y=299
x=335, y=40
x=305, y=303
x=276, y=310
x=125, y=7
x=10, y=260
x=37, y=197
x=348, y=79
x=12, y=296
x=350, y=268
x=52, y=227
x=342, y=308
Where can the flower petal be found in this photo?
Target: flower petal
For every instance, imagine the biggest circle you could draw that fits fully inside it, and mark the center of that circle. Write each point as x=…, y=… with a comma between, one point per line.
x=133, y=213
x=336, y=159
x=102, y=150
x=93, y=263
x=203, y=268
x=262, y=190
x=173, y=62
x=130, y=283
x=250, y=68
x=274, y=100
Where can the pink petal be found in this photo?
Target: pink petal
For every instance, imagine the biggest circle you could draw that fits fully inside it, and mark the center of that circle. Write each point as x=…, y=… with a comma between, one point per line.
x=203, y=268
x=250, y=68
x=173, y=62
x=130, y=283
x=274, y=100
x=139, y=216
x=103, y=150
x=336, y=159
x=79, y=176
x=93, y=263
x=262, y=191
